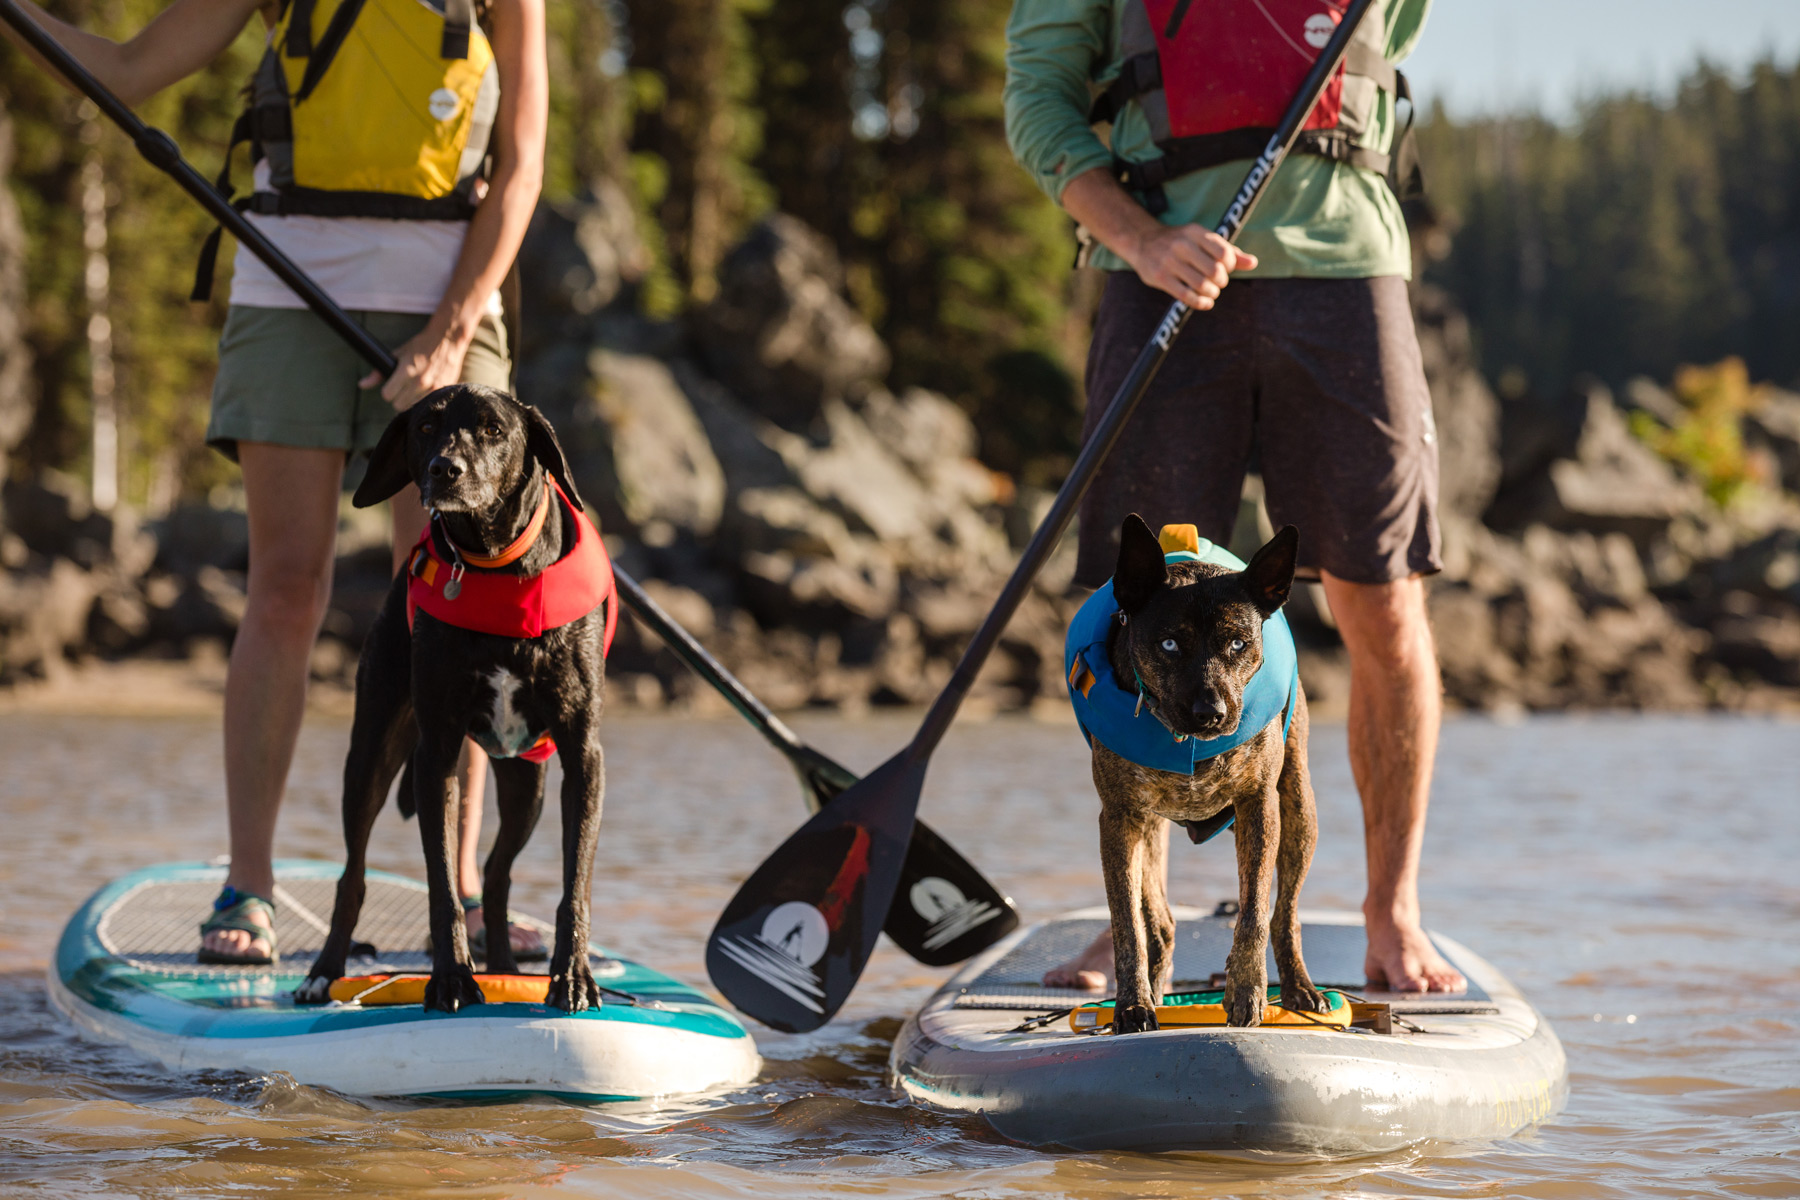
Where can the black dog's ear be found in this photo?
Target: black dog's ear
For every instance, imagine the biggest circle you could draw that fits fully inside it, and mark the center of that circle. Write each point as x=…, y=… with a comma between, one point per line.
x=387, y=472
x=541, y=444
x=1141, y=569
x=1270, y=576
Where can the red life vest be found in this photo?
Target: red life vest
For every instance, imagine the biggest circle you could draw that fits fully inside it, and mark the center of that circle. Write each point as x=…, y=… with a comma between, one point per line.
x=519, y=606
x=1213, y=78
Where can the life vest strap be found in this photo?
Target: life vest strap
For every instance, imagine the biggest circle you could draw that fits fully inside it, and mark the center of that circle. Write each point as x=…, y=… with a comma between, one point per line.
x=1184, y=156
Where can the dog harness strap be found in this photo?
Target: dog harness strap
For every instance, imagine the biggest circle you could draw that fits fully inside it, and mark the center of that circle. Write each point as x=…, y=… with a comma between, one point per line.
x=1106, y=707
x=509, y=605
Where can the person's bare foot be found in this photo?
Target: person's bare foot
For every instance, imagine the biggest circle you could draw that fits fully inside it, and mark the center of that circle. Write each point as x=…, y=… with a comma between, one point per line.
x=525, y=940
x=1401, y=958
x=1090, y=971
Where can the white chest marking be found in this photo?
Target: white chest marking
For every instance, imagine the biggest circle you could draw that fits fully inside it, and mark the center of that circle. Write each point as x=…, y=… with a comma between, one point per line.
x=507, y=722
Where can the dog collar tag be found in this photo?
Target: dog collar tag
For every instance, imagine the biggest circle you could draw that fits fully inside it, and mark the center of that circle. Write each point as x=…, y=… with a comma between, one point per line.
x=453, y=586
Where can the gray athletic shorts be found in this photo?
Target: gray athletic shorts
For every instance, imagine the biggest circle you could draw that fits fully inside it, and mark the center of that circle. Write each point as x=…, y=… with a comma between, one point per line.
x=1321, y=378
x=285, y=377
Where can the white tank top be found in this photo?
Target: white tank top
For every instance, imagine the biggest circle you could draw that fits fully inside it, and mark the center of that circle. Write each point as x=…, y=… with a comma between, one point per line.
x=364, y=263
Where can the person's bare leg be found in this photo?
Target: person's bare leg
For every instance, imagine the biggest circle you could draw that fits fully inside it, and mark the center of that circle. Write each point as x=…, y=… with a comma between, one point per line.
x=1092, y=969
x=292, y=498
x=1395, y=708
x=408, y=518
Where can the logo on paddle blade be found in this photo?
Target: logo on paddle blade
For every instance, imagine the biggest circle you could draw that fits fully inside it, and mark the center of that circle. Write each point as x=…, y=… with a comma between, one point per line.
x=793, y=937
x=950, y=913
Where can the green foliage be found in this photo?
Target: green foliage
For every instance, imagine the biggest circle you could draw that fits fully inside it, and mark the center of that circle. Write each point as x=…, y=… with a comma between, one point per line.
x=695, y=123
x=1644, y=234
x=1708, y=443
x=163, y=347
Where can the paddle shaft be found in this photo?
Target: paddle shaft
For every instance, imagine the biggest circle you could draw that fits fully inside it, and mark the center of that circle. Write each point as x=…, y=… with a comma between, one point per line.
x=1112, y=423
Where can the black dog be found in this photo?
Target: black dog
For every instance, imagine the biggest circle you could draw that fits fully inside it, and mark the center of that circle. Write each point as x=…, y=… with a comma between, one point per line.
x=488, y=468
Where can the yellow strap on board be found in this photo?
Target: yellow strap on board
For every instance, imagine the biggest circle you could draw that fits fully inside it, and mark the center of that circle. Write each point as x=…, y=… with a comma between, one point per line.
x=371, y=990
x=1090, y=1017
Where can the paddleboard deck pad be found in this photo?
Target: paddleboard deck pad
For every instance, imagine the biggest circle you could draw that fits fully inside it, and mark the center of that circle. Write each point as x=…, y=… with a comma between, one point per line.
x=125, y=972
x=994, y=1041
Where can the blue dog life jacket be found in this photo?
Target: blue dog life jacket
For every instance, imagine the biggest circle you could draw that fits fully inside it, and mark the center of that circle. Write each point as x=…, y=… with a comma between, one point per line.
x=1107, y=708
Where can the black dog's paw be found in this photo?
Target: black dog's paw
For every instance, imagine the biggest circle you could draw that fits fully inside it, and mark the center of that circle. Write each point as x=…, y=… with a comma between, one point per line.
x=573, y=989
x=1245, y=1003
x=1134, y=1018
x=1303, y=997
x=316, y=990
x=452, y=989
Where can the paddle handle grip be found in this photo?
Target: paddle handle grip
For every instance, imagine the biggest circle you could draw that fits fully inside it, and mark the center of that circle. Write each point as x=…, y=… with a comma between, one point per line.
x=161, y=152
x=1112, y=422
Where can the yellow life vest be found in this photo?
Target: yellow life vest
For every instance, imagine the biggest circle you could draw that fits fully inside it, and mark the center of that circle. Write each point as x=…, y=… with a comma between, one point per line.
x=368, y=108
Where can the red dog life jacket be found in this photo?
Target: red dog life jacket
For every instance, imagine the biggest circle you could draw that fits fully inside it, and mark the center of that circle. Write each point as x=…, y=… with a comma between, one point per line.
x=517, y=606
x=1213, y=78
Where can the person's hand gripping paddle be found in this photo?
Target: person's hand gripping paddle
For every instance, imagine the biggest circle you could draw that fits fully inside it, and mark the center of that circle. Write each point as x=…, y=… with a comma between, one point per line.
x=955, y=912
x=794, y=940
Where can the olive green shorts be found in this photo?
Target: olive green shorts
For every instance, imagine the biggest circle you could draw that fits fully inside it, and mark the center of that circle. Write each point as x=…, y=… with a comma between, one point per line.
x=285, y=377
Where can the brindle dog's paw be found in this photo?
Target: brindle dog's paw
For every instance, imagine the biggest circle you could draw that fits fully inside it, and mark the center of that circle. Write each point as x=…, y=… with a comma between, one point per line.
x=1134, y=1018
x=1303, y=997
x=451, y=989
x=1245, y=1003
x=573, y=989
x=316, y=990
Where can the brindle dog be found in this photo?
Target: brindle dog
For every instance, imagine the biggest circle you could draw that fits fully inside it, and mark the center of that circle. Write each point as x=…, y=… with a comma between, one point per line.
x=482, y=461
x=1192, y=632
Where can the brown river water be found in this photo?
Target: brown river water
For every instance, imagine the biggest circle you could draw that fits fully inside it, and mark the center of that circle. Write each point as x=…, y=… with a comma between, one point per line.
x=1638, y=877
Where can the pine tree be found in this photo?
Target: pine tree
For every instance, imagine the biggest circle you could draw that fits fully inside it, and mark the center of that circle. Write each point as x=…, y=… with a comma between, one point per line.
x=694, y=122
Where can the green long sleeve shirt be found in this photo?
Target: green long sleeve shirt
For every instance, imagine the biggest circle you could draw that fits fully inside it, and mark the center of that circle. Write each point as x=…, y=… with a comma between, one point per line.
x=1318, y=219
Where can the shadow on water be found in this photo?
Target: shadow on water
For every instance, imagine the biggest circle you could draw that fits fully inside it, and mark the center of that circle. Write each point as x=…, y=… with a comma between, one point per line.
x=1634, y=876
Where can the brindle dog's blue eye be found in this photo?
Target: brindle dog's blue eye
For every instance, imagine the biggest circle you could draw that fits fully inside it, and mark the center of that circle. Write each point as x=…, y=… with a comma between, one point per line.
x=1169, y=645
x=1237, y=644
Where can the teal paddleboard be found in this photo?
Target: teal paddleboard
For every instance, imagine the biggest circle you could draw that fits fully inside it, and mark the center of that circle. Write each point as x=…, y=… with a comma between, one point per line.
x=125, y=972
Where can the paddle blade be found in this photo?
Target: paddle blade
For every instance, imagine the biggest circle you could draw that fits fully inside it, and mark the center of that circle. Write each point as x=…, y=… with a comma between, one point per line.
x=944, y=909
x=794, y=940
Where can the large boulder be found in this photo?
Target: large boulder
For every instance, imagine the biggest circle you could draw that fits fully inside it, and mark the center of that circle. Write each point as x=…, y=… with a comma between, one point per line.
x=1610, y=482
x=44, y=609
x=577, y=258
x=639, y=453
x=15, y=358
x=780, y=331
x=1465, y=411
x=51, y=514
x=1774, y=427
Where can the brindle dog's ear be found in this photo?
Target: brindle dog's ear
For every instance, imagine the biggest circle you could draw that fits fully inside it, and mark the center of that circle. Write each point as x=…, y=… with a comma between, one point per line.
x=387, y=472
x=1141, y=571
x=541, y=444
x=1270, y=576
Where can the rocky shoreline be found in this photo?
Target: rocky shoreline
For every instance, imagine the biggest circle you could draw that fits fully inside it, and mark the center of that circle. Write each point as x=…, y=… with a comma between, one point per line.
x=835, y=544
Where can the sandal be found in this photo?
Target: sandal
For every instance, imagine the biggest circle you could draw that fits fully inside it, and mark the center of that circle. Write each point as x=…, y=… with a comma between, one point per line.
x=478, y=938
x=232, y=911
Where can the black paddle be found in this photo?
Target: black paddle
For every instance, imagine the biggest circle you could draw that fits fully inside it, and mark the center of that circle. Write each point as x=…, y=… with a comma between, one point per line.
x=795, y=938
x=955, y=911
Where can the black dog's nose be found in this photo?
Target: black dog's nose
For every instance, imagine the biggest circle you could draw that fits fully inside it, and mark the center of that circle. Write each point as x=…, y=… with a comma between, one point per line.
x=445, y=468
x=1209, y=706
